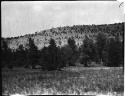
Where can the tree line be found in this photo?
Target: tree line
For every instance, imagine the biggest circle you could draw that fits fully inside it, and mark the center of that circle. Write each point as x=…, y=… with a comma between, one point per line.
x=111, y=29
x=104, y=50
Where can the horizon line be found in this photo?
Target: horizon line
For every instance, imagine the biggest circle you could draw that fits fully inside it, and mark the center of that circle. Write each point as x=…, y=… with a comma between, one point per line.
x=59, y=26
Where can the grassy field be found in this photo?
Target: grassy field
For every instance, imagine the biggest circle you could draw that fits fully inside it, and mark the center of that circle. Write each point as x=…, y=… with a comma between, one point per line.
x=69, y=81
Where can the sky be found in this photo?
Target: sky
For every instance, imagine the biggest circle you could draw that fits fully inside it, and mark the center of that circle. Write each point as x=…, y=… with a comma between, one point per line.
x=27, y=17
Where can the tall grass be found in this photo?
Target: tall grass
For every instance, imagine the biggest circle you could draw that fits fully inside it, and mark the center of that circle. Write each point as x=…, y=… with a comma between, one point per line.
x=86, y=81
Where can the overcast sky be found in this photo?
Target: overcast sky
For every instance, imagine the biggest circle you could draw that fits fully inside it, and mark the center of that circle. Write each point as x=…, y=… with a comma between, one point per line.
x=20, y=18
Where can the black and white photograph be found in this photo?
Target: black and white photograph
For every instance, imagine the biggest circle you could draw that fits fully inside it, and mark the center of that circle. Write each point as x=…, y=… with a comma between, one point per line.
x=62, y=48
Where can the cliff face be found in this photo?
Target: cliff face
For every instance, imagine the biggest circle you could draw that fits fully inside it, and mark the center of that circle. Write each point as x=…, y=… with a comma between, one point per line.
x=61, y=34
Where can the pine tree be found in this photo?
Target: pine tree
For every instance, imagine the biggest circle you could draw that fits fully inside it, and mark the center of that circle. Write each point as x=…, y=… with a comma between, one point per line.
x=6, y=55
x=44, y=58
x=21, y=56
x=53, y=59
x=101, y=44
x=66, y=53
x=4, y=49
x=32, y=53
x=4, y=46
x=88, y=52
x=71, y=43
x=115, y=53
x=73, y=57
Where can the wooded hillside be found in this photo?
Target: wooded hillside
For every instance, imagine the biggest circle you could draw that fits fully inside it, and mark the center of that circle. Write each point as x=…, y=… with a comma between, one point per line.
x=61, y=35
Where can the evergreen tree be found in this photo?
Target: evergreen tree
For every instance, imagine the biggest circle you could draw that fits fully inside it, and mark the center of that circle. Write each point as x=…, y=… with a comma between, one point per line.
x=32, y=53
x=66, y=53
x=6, y=55
x=44, y=58
x=71, y=43
x=61, y=59
x=4, y=46
x=88, y=52
x=101, y=44
x=115, y=53
x=4, y=49
x=21, y=56
x=53, y=59
x=74, y=56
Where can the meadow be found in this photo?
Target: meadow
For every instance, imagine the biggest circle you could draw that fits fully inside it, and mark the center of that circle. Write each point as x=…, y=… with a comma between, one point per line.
x=68, y=81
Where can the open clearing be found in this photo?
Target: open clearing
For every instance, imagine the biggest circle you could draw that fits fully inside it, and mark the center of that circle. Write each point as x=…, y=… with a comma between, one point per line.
x=69, y=81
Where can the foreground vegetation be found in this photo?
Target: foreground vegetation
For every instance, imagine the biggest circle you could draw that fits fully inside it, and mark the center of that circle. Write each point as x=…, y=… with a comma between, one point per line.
x=68, y=81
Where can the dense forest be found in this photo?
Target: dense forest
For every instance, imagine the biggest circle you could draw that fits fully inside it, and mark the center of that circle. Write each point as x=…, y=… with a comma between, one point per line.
x=66, y=46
